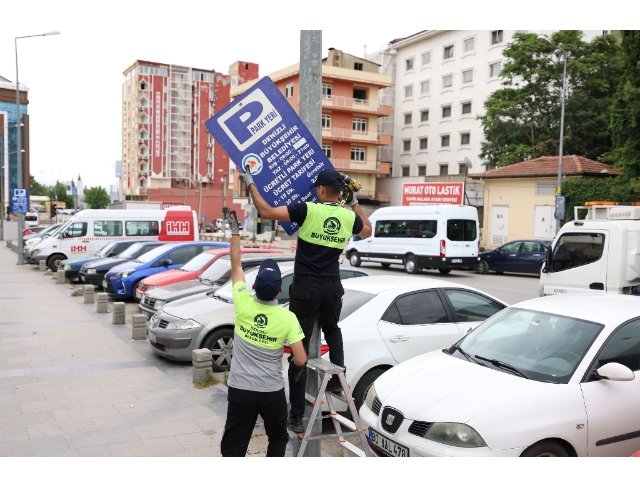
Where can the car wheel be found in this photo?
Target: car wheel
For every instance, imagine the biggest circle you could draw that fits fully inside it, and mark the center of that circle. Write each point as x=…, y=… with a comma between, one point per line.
x=54, y=261
x=411, y=265
x=444, y=271
x=547, y=448
x=354, y=259
x=364, y=384
x=482, y=267
x=220, y=342
x=133, y=291
x=385, y=265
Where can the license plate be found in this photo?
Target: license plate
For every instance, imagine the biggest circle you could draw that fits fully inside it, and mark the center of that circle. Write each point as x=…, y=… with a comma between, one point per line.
x=456, y=261
x=152, y=337
x=386, y=445
x=105, y=284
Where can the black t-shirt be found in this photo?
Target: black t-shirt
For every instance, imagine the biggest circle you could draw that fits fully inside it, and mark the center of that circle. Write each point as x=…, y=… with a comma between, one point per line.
x=312, y=259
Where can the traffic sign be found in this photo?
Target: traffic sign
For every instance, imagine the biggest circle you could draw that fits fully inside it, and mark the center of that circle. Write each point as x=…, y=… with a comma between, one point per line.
x=561, y=202
x=19, y=200
x=264, y=135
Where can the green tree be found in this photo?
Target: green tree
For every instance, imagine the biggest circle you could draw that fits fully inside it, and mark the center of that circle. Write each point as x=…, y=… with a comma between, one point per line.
x=97, y=198
x=37, y=189
x=60, y=192
x=522, y=119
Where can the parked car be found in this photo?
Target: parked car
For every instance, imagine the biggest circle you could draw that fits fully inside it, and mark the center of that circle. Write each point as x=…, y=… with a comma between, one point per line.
x=211, y=279
x=518, y=256
x=552, y=376
x=28, y=231
x=35, y=239
x=386, y=320
x=72, y=267
x=207, y=321
x=122, y=280
x=208, y=228
x=31, y=219
x=94, y=272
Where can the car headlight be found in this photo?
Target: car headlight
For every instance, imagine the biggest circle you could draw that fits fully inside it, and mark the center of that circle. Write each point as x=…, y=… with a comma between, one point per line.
x=159, y=304
x=125, y=273
x=154, y=320
x=37, y=251
x=91, y=271
x=371, y=395
x=67, y=267
x=183, y=325
x=455, y=434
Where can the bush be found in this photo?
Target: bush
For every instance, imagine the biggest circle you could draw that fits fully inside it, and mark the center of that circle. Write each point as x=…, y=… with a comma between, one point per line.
x=579, y=191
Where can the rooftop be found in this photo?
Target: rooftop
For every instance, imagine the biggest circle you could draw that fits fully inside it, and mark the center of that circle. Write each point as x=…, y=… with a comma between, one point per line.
x=572, y=165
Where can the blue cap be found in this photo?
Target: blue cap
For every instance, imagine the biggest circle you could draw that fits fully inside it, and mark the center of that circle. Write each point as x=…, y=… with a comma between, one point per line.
x=269, y=280
x=328, y=177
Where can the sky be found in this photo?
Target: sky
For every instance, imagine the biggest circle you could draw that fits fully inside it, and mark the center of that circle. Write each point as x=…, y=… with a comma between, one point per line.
x=75, y=78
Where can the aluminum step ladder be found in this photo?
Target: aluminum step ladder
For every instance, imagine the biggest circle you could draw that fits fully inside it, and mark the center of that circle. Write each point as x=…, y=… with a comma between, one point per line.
x=327, y=369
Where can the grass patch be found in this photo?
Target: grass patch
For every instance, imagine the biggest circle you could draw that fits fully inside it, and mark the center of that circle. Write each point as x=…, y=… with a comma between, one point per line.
x=210, y=380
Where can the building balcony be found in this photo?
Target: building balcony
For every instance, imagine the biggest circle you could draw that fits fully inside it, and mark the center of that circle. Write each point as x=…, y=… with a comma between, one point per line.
x=355, y=166
x=356, y=105
x=346, y=134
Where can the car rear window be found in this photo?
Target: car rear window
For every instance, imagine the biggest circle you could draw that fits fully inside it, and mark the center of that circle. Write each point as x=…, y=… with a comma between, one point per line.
x=462, y=230
x=352, y=301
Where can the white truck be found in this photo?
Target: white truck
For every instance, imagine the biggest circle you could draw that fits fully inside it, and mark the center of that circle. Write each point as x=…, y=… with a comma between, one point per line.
x=597, y=254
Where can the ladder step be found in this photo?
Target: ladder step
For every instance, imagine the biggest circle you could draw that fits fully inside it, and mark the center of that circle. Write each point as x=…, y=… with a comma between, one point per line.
x=340, y=396
x=352, y=448
x=344, y=421
x=310, y=399
x=323, y=366
x=323, y=437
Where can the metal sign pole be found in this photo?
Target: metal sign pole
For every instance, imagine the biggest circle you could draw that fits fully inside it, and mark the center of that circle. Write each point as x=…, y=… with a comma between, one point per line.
x=311, y=114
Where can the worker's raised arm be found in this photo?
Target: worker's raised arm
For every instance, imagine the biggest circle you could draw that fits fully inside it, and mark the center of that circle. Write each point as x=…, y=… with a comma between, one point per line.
x=237, y=274
x=265, y=209
x=366, y=231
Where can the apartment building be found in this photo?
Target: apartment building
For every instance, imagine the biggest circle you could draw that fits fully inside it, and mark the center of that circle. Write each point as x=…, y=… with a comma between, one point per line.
x=167, y=153
x=351, y=110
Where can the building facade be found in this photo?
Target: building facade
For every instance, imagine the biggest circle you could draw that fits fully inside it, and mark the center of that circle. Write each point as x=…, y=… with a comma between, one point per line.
x=167, y=153
x=351, y=110
x=8, y=139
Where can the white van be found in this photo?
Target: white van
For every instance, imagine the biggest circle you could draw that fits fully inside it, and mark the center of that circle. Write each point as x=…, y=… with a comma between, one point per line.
x=89, y=230
x=31, y=219
x=442, y=237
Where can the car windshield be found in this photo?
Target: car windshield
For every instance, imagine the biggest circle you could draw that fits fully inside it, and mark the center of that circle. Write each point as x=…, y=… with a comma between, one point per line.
x=198, y=262
x=61, y=228
x=542, y=346
x=352, y=301
x=105, y=250
x=154, y=254
x=218, y=272
x=226, y=291
x=130, y=251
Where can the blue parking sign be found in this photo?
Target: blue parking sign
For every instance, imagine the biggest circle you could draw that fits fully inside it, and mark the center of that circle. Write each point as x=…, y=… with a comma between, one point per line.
x=264, y=135
x=561, y=202
x=19, y=200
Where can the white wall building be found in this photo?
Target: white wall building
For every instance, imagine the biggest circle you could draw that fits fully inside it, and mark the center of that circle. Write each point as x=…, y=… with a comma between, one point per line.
x=442, y=79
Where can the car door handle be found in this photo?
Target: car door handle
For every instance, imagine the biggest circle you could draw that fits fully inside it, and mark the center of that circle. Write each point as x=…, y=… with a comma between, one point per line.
x=396, y=339
x=512, y=255
x=597, y=285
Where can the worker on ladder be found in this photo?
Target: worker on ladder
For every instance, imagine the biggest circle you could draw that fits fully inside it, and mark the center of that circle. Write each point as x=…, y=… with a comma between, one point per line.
x=316, y=292
x=256, y=386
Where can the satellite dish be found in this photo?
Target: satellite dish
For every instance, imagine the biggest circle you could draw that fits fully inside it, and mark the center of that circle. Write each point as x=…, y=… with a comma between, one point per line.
x=468, y=163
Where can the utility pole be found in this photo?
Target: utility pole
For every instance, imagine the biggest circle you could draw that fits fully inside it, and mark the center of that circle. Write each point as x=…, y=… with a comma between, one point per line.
x=311, y=114
x=224, y=202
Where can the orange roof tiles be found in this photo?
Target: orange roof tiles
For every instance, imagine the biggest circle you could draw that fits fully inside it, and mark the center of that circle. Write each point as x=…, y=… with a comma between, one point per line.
x=548, y=166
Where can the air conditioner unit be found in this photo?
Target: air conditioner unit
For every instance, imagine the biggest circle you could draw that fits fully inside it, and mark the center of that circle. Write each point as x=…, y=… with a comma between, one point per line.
x=209, y=145
x=209, y=160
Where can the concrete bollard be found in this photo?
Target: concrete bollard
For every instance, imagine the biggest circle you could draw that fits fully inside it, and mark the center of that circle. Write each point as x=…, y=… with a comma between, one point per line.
x=102, y=302
x=42, y=266
x=118, y=314
x=89, y=294
x=202, y=362
x=60, y=276
x=139, y=330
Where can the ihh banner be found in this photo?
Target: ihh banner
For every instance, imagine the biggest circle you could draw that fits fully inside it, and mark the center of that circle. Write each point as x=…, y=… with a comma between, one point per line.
x=264, y=135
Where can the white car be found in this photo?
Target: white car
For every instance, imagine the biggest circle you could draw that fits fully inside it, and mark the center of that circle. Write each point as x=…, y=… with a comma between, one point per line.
x=552, y=376
x=387, y=320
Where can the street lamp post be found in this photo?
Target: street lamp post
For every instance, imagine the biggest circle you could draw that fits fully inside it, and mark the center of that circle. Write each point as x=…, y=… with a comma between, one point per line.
x=546, y=40
x=19, y=150
x=224, y=200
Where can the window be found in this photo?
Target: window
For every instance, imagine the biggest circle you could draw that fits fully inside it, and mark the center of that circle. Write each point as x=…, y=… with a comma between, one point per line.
x=623, y=347
x=465, y=139
x=76, y=229
x=425, y=87
x=288, y=90
x=326, y=121
x=496, y=36
x=360, y=95
x=326, y=90
x=408, y=91
x=408, y=64
x=107, y=229
x=359, y=125
x=353, y=300
x=357, y=154
x=532, y=247
x=510, y=248
x=406, y=171
x=407, y=118
x=424, y=116
x=444, y=170
x=423, y=146
x=448, y=52
x=406, y=145
x=445, y=141
x=467, y=76
x=426, y=58
x=417, y=309
x=406, y=228
x=466, y=108
x=327, y=150
x=469, y=44
x=577, y=249
x=470, y=306
x=422, y=170
x=462, y=169
x=446, y=112
x=181, y=255
x=234, y=81
x=462, y=230
x=494, y=69
x=358, y=66
x=447, y=81
x=147, y=229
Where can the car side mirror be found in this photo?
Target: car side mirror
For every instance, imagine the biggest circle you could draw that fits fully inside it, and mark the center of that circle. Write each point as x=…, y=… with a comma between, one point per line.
x=615, y=371
x=167, y=262
x=548, y=260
